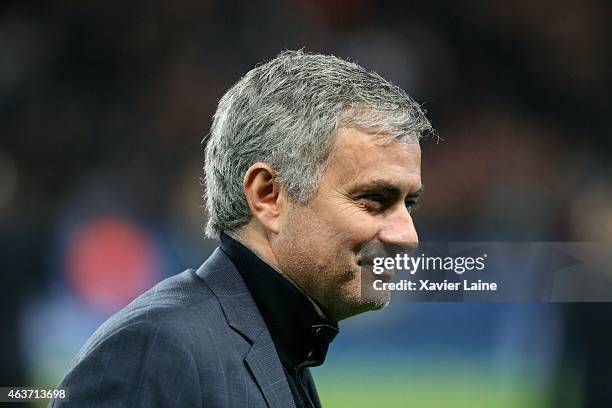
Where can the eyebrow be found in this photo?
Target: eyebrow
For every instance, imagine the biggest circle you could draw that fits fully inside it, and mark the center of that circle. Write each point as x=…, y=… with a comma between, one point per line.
x=382, y=185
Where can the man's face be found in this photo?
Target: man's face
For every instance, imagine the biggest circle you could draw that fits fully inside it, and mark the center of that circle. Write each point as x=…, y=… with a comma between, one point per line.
x=363, y=202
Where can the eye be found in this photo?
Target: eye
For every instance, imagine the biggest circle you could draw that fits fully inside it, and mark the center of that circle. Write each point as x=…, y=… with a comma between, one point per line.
x=374, y=202
x=412, y=205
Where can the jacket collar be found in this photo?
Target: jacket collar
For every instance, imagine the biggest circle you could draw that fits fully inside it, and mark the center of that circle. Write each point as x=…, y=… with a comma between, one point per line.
x=238, y=305
x=242, y=315
x=300, y=331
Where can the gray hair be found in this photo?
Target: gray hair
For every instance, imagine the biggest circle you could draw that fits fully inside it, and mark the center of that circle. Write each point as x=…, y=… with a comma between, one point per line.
x=285, y=113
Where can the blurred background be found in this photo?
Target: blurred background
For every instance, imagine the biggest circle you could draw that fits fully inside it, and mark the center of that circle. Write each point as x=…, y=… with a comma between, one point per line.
x=103, y=107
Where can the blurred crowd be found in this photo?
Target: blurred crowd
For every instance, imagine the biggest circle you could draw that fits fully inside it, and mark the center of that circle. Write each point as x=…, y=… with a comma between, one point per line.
x=104, y=107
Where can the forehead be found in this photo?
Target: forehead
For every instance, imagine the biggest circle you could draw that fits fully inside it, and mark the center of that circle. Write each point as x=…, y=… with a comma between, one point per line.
x=360, y=157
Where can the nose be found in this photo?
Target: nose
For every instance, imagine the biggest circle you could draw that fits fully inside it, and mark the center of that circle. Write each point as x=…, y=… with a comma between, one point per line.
x=399, y=231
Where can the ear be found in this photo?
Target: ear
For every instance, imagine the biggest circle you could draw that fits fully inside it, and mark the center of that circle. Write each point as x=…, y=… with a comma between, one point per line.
x=264, y=196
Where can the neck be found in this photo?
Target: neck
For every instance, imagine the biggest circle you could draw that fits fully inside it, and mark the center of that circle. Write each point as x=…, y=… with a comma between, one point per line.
x=256, y=239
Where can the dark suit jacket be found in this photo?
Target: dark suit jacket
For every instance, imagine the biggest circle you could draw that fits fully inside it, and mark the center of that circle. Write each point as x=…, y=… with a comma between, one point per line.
x=196, y=339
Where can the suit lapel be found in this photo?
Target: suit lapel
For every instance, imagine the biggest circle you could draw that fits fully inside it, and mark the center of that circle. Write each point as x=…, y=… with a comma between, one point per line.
x=242, y=315
x=263, y=361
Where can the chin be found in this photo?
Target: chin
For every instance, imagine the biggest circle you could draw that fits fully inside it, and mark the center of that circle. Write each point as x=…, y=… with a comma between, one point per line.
x=357, y=305
x=382, y=302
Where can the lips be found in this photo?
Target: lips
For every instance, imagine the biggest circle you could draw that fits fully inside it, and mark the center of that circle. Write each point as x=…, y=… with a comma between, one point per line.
x=367, y=265
x=365, y=262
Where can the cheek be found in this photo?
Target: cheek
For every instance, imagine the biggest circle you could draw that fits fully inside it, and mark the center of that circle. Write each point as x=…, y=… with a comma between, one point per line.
x=347, y=219
x=335, y=227
x=348, y=236
x=316, y=238
x=355, y=225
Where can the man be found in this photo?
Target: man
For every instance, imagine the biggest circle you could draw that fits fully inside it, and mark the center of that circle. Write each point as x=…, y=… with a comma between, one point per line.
x=311, y=162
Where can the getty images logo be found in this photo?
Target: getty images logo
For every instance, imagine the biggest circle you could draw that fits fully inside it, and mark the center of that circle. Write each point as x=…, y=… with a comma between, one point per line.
x=412, y=264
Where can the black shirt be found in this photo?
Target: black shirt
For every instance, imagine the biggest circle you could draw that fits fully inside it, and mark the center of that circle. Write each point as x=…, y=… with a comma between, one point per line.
x=299, y=330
